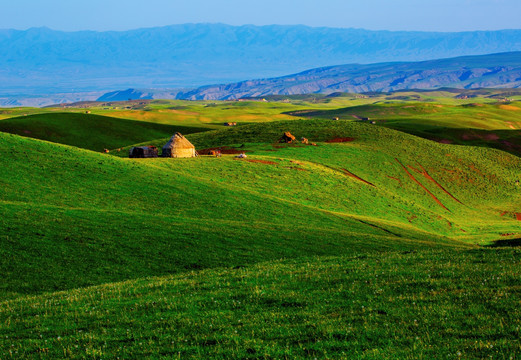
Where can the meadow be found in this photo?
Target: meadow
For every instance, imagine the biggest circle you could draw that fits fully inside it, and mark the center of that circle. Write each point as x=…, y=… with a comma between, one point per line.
x=457, y=304
x=374, y=243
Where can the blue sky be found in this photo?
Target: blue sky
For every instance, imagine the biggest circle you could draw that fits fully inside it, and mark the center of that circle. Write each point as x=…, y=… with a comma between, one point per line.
x=424, y=15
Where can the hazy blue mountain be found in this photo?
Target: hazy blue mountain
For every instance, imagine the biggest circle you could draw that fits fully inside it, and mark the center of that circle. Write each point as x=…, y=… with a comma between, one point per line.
x=468, y=72
x=41, y=60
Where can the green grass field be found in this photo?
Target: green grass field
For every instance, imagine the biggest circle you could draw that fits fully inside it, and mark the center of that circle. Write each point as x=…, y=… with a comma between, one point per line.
x=375, y=243
x=404, y=305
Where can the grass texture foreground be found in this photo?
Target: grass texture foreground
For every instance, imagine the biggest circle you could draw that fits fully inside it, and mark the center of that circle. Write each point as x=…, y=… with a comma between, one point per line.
x=404, y=305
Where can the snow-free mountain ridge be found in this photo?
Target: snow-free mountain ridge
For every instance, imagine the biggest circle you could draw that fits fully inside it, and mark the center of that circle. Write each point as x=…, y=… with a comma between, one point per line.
x=44, y=61
x=469, y=72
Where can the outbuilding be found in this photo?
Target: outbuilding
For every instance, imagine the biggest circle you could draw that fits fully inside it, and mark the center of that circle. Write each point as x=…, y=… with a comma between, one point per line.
x=143, y=152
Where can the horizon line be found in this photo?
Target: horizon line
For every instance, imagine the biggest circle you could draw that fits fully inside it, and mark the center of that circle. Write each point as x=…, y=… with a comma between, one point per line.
x=45, y=27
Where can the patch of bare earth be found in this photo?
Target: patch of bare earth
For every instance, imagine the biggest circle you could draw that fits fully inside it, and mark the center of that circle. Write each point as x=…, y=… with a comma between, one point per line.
x=431, y=179
x=224, y=150
x=350, y=174
x=266, y=162
x=340, y=140
x=422, y=186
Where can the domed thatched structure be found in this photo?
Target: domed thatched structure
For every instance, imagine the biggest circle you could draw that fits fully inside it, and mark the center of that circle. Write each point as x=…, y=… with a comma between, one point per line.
x=178, y=146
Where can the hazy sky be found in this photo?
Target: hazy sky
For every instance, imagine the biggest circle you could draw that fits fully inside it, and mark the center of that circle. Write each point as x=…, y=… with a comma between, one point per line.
x=426, y=15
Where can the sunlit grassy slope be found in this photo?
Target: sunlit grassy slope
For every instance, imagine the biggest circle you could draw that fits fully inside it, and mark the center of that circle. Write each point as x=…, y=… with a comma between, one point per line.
x=365, y=247
x=476, y=122
x=73, y=218
x=412, y=181
x=486, y=116
x=87, y=218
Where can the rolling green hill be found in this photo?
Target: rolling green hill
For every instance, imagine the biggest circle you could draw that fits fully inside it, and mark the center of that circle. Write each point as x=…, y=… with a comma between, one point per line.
x=88, y=218
x=480, y=123
x=93, y=132
x=374, y=243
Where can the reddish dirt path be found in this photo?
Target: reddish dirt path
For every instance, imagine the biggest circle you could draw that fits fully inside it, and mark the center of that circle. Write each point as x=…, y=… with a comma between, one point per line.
x=394, y=178
x=518, y=216
x=349, y=173
x=421, y=185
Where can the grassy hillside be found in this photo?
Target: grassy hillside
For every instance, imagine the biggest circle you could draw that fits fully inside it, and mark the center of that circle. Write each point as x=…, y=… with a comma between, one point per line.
x=89, y=218
x=88, y=131
x=477, y=123
x=373, y=243
x=404, y=305
x=478, y=115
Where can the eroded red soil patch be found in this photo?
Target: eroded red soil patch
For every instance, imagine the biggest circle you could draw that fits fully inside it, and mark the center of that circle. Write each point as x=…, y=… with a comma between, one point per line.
x=349, y=173
x=394, y=178
x=475, y=169
x=224, y=150
x=518, y=216
x=267, y=162
x=422, y=186
x=427, y=176
x=297, y=168
x=340, y=140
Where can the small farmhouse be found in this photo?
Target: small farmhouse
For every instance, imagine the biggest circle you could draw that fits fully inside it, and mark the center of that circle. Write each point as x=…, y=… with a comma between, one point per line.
x=178, y=146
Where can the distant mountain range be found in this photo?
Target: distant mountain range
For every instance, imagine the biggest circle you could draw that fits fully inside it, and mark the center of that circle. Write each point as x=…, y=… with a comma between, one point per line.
x=44, y=61
x=469, y=72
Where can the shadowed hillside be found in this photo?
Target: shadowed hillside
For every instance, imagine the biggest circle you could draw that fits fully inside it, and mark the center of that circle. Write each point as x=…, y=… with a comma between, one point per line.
x=88, y=131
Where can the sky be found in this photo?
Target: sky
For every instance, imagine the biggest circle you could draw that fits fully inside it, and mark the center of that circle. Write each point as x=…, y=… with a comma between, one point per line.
x=421, y=15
